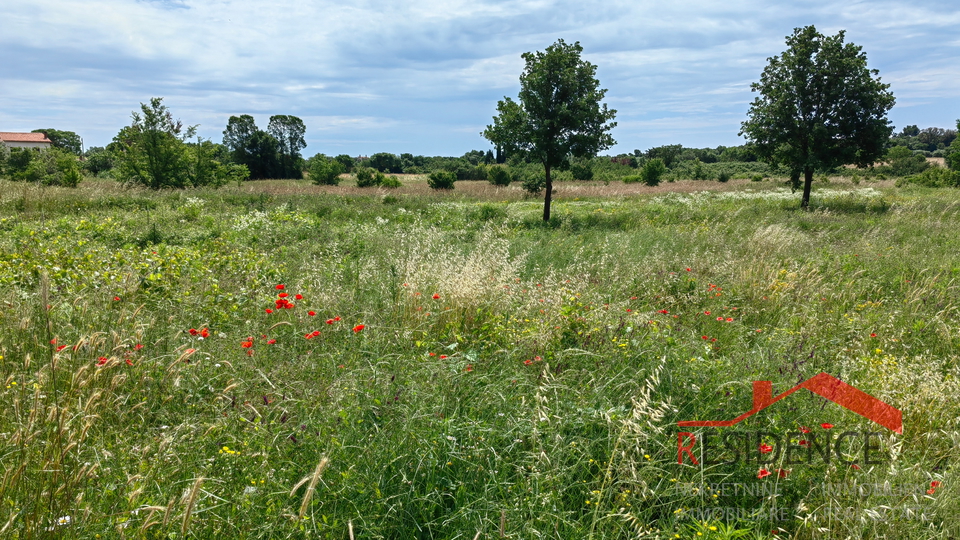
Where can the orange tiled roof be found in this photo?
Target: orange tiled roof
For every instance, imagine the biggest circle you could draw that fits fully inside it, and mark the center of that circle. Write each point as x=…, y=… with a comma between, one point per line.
x=24, y=137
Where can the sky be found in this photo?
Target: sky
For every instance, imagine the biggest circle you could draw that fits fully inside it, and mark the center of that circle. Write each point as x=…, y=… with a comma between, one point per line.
x=424, y=77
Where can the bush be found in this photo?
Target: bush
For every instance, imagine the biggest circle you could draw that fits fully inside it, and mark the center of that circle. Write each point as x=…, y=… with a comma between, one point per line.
x=756, y=178
x=932, y=177
x=441, y=180
x=632, y=179
x=498, y=175
x=652, y=171
x=50, y=167
x=534, y=183
x=723, y=177
x=581, y=171
x=367, y=178
x=391, y=182
x=323, y=171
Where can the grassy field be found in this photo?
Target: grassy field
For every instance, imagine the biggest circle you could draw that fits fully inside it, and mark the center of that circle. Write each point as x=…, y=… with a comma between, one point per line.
x=283, y=360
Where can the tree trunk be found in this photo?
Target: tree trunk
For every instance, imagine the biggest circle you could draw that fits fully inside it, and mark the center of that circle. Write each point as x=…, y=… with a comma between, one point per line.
x=546, y=198
x=807, y=185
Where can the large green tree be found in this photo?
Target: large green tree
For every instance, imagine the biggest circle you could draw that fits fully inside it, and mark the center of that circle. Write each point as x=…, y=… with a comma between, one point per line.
x=65, y=140
x=558, y=115
x=819, y=107
x=256, y=149
x=151, y=151
x=289, y=131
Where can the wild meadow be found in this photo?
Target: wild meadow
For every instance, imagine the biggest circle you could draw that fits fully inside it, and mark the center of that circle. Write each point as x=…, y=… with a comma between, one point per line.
x=282, y=360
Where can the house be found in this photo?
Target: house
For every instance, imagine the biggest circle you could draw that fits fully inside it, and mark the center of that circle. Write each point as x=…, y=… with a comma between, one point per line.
x=25, y=140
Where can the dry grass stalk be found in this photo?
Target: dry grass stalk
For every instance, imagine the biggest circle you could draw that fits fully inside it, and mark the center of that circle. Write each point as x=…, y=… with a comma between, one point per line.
x=191, y=501
x=312, y=486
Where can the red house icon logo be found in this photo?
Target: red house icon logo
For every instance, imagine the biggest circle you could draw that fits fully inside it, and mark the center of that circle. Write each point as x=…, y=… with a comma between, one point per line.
x=824, y=385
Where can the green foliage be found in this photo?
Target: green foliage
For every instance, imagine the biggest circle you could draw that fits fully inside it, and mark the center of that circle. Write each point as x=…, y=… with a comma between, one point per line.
x=441, y=180
x=937, y=177
x=953, y=155
x=98, y=160
x=324, y=171
x=668, y=154
x=819, y=107
x=901, y=161
x=347, y=162
x=203, y=167
x=558, y=115
x=367, y=178
x=723, y=176
x=289, y=130
x=632, y=179
x=498, y=175
x=258, y=150
x=386, y=162
x=151, y=151
x=581, y=170
x=391, y=182
x=652, y=171
x=64, y=140
x=756, y=178
x=50, y=167
x=533, y=183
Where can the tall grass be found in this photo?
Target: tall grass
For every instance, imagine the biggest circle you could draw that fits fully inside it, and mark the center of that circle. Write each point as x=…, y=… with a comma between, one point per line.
x=455, y=368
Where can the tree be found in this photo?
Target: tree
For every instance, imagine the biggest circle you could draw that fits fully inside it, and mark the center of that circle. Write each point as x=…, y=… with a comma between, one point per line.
x=953, y=153
x=98, y=160
x=324, y=171
x=558, y=115
x=65, y=140
x=256, y=149
x=289, y=131
x=151, y=151
x=819, y=107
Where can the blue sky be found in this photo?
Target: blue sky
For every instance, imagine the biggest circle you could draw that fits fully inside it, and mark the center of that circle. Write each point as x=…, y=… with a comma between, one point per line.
x=424, y=76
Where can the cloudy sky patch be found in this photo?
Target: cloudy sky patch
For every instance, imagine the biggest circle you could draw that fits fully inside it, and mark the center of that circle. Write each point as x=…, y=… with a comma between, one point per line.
x=424, y=77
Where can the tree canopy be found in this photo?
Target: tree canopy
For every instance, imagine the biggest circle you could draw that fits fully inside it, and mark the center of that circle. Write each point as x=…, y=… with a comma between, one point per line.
x=819, y=107
x=558, y=115
x=289, y=131
x=258, y=150
x=65, y=140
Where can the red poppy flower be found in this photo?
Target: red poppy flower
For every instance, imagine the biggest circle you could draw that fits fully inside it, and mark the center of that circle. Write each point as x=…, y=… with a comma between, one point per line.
x=61, y=347
x=129, y=362
x=316, y=333
x=873, y=335
x=358, y=328
x=116, y=298
x=269, y=311
x=436, y=296
x=804, y=442
x=527, y=362
x=763, y=473
x=931, y=491
x=281, y=287
x=706, y=312
x=765, y=449
x=442, y=356
x=826, y=425
x=704, y=337
x=312, y=313
x=336, y=318
x=855, y=466
x=664, y=311
x=102, y=360
x=729, y=319
x=805, y=429
x=688, y=269
x=782, y=473
x=469, y=368
x=298, y=296
x=204, y=333
x=246, y=344
x=720, y=318
x=282, y=295
x=193, y=332
x=53, y=341
x=329, y=321
x=633, y=297
x=935, y=484
x=537, y=359
x=138, y=346
x=433, y=354
x=271, y=342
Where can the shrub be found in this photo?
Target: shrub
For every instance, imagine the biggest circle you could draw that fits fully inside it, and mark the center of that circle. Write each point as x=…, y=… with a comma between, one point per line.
x=323, y=171
x=367, y=178
x=652, y=171
x=581, y=171
x=441, y=180
x=498, y=175
x=391, y=182
x=51, y=167
x=932, y=177
x=756, y=178
x=723, y=177
x=534, y=183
